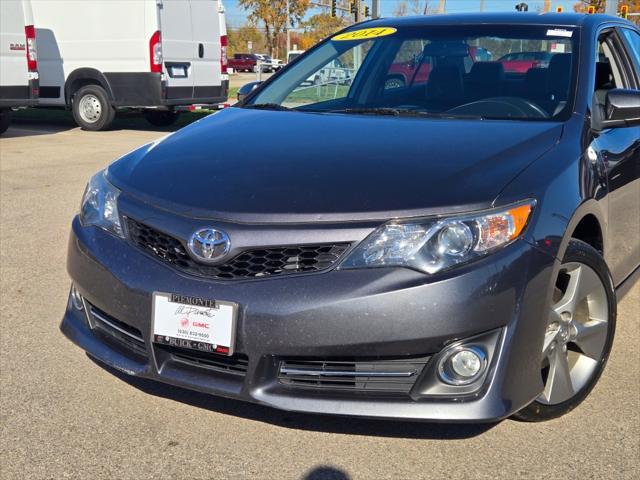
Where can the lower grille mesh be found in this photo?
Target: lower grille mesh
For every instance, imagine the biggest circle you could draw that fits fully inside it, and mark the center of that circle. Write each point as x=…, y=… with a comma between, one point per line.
x=123, y=333
x=237, y=364
x=381, y=375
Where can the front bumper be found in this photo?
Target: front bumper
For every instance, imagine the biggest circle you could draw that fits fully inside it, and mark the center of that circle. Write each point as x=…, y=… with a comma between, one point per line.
x=381, y=313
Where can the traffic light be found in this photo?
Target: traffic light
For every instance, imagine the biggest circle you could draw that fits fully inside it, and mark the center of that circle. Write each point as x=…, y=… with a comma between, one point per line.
x=522, y=7
x=354, y=8
x=591, y=10
x=559, y=9
x=367, y=13
x=334, y=8
x=624, y=11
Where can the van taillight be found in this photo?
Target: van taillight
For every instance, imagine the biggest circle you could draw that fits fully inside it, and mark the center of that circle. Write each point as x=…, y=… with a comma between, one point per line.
x=32, y=52
x=223, y=54
x=155, y=52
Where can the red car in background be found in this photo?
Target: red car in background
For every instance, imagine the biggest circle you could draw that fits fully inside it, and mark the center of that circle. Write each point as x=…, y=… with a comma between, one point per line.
x=521, y=62
x=417, y=71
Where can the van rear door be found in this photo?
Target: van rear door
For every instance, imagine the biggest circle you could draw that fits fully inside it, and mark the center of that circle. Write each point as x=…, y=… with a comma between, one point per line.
x=177, y=47
x=207, y=75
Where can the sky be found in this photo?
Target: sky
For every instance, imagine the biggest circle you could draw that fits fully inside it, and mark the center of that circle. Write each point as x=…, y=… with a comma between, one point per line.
x=236, y=16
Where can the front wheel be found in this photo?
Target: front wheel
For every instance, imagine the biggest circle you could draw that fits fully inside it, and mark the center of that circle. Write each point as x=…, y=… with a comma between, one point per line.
x=579, y=334
x=5, y=119
x=92, y=109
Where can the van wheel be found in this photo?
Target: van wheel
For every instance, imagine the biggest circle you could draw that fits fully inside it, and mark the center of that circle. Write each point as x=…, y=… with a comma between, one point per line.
x=579, y=335
x=5, y=119
x=161, y=118
x=92, y=109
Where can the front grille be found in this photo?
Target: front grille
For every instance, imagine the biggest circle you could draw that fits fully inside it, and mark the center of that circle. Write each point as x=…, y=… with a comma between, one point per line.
x=377, y=375
x=113, y=329
x=254, y=263
x=236, y=364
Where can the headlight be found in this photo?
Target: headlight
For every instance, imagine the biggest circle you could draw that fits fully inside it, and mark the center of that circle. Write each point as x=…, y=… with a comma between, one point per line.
x=436, y=244
x=100, y=205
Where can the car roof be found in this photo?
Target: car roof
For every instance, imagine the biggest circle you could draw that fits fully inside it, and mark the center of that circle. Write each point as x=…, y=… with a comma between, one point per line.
x=554, y=19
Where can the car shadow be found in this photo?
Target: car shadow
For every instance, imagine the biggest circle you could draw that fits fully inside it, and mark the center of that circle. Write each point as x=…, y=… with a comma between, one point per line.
x=326, y=473
x=303, y=421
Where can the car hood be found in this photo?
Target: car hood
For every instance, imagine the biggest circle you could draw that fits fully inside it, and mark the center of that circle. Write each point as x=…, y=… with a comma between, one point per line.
x=270, y=166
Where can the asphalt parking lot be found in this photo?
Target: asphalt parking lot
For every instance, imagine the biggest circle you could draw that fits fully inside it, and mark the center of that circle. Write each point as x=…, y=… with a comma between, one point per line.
x=65, y=416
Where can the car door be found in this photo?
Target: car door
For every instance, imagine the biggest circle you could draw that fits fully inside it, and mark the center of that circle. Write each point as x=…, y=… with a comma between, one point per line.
x=206, y=66
x=620, y=150
x=177, y=47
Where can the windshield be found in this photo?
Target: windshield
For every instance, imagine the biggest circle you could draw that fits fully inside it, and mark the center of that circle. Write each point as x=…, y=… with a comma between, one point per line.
x=485, y=71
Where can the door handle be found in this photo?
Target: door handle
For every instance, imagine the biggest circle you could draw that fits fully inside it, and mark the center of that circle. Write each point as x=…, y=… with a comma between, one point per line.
x=200, y=50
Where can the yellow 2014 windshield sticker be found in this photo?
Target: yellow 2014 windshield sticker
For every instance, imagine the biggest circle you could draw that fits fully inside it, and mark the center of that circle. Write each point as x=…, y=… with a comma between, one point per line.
x=365, y=34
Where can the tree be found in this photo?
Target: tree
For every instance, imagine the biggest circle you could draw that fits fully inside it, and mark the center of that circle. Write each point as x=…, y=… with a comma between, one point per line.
x=583, y=5
x=273, y=15
x=239, y=39
x=412, y=7
x=318, y=27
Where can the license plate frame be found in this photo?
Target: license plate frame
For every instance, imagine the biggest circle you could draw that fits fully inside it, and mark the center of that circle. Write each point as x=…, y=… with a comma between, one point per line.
x=194, y=323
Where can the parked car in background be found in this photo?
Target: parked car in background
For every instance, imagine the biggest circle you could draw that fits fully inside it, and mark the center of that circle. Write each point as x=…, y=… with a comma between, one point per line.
x=151, y=55
x=293, y=54
x=18, y=59
x=334, y=72
x=269, y=64
x=521, y=62
x=416, y=70
x=244, y=62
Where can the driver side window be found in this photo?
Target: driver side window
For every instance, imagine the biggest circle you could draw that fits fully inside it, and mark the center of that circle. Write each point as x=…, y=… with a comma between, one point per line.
x=608, y=71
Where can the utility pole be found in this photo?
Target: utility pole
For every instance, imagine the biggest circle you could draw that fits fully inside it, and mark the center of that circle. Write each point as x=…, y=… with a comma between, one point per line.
x=442, y=6
x=375, y=8
x=482, y=5
x=288, y=29
x=611, y=7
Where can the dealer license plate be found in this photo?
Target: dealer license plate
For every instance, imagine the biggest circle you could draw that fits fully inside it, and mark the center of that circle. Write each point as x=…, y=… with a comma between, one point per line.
x=193, y=322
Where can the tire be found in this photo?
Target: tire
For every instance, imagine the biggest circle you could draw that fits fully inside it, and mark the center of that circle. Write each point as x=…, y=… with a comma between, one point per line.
x=585, y=342
x=161, y=118
x=92, y=109
x=5, y=119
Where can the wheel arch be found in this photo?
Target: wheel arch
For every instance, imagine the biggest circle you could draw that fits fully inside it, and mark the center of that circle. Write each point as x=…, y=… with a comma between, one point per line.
x=588, y=223
x=82, y=77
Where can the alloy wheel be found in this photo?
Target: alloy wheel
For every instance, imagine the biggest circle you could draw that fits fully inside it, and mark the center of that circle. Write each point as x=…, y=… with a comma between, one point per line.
x=576, y=336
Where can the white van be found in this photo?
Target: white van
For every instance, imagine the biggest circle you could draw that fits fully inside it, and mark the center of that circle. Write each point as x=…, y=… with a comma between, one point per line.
x=97, y=56
x=18, y=59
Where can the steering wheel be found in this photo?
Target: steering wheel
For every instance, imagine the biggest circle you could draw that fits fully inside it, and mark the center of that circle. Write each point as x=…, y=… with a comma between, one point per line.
x=501, y=107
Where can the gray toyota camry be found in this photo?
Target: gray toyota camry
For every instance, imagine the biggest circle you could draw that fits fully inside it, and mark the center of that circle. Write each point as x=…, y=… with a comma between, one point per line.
x=441, y=232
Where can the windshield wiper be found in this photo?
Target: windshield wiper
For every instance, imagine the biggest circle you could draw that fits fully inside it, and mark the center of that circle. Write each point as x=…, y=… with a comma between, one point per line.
x=373, y=111
x=404, y=112
x=268, y=106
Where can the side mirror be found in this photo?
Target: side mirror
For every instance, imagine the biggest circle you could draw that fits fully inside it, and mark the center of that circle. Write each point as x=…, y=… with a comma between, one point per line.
x=246, y=89
x=621, y=108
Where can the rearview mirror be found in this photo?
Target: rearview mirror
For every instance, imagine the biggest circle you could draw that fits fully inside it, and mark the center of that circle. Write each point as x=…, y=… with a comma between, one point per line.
x=622, y=108
x=246, y=89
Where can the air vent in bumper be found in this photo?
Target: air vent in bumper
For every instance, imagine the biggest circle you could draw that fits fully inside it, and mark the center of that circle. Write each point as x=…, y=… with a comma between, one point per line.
x=113, y=329
x=235, y=365
x=378, y=375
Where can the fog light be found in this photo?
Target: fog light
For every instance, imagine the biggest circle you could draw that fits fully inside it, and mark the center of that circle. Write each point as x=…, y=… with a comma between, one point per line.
x=76, y=298
x=463, y=365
